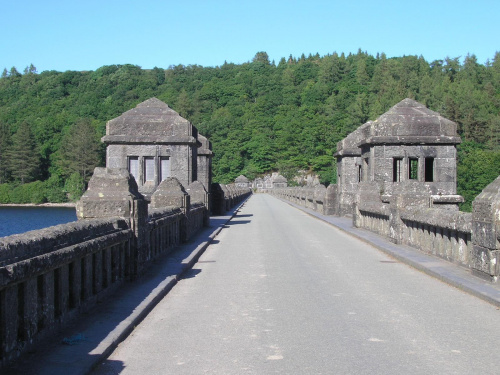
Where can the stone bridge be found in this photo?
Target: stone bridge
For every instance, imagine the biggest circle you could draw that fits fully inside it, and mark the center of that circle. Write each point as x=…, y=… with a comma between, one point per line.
x=281, y=288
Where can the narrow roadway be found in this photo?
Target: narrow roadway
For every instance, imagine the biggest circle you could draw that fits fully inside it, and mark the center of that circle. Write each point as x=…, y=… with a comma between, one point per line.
x=282, y=292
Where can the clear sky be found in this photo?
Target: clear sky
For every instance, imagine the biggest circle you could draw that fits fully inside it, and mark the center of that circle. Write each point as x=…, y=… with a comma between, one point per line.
x=85, y=35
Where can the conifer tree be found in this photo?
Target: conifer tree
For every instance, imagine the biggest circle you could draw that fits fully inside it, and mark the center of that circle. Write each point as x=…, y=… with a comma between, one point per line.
x=79, y=150
x=4, y=145
x=23, y=159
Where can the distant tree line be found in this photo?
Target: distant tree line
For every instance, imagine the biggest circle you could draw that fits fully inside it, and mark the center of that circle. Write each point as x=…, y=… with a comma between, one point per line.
x=260, y=116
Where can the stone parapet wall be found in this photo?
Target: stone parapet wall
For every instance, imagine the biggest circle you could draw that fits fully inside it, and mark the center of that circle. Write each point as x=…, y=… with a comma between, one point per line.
x=164, y=231
x=38, y=242
x=223, y=197
x=435, y=217
x=439, y=238
x=41, y=292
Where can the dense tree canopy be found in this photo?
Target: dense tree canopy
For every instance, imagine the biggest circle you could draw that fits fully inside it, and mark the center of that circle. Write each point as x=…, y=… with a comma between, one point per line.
x=262, y=116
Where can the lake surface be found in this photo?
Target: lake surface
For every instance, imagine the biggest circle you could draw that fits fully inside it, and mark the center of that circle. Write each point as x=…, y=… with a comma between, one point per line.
x=14, y=220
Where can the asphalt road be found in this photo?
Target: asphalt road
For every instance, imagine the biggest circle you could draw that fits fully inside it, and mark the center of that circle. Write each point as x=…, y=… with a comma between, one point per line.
x=282, y=292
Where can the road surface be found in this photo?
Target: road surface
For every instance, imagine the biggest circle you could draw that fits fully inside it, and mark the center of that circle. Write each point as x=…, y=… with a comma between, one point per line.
x=280, y=292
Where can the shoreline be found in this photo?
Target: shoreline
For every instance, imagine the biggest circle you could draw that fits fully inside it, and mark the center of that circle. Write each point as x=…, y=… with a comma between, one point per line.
x=67, y=204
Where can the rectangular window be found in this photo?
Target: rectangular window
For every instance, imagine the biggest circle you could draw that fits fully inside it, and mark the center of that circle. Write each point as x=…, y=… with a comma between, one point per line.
x=396, y=169
x=164, y=168
x=429, y=169
x=359, y=173
x=366, y=169
x=412, y=169
x=133, y=166
x=149, y=169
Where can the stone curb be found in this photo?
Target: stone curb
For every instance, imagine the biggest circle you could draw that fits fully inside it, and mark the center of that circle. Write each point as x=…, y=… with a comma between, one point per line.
x=447, y=272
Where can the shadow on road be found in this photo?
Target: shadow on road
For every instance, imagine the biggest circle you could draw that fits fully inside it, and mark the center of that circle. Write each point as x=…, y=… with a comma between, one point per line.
x=193, y=272
x=237, y=223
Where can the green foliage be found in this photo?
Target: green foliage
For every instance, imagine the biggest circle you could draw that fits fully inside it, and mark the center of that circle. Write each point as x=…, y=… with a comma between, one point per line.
x=4, y=193
x=32, y=192
x=54, y=190
x=4, y=146
x=74, y=186
x=22, y=155
x=79, y=150
x=36, y=192
x=477, y=168
x=259, y=116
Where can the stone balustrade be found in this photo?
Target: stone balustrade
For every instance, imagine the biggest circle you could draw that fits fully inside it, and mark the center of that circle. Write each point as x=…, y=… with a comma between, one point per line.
x=226, y=196
x=439, y=232
x=72, y=266
x=50, y=276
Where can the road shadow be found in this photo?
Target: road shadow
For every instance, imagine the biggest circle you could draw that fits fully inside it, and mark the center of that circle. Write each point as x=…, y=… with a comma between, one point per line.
x=109, y=367
x=193, y=272
x=239, y=222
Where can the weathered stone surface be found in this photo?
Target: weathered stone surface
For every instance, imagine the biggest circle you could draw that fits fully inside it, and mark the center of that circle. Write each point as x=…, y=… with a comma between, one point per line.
x=218, y=200
x=407, y=143
x=27, y=245
x=242, y=181
x=417, y=120
x=110, y=193
x=272, y=181
x=151, y=119
x=170, y=193
x=331, y=206
x=198, y=194
x=486, y=230
x=204, y=162
x=319, y=197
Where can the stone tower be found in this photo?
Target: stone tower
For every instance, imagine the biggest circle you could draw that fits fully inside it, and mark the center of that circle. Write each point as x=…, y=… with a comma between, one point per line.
x=408, y=143
x=154, y=142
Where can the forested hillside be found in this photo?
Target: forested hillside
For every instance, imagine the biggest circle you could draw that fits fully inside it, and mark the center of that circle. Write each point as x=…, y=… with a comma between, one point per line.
x=260, y=116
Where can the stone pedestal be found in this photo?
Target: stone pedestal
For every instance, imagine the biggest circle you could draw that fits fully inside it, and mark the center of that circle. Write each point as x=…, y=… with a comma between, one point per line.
x=198, y=194
x=405, y=196
x=485, y=257
x=113, y=193
x=171, y=193
x=331, y=204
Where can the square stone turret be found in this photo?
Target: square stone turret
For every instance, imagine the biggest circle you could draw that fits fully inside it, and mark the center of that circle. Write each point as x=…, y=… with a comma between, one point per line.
x=153, y=142
x=242, y=182
x=407, y=143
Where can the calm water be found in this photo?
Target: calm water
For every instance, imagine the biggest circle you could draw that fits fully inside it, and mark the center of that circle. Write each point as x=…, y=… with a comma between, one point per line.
x=14, y=220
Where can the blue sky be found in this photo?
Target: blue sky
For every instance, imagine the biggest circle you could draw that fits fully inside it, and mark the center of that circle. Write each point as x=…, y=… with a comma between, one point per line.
x=85, y=35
